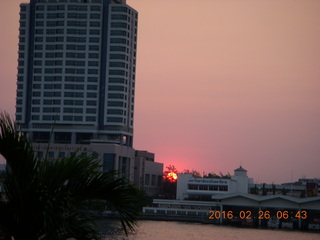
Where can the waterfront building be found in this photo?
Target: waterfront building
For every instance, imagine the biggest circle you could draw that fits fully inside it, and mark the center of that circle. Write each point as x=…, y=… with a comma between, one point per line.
x=275, y=211
x=304, y=187
x=193, y=188
x=76, y=71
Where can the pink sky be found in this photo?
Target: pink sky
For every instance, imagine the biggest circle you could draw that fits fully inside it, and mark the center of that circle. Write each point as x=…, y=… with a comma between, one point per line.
x=219, y=83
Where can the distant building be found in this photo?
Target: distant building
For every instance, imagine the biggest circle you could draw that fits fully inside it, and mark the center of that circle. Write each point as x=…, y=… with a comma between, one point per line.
x=189, y=187
x=304, y=187
x=148, y=173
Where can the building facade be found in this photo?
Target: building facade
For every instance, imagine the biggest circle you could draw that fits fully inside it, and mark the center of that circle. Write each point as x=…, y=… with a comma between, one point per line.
x=193, y=188
x=76, y=71
x=148, y=174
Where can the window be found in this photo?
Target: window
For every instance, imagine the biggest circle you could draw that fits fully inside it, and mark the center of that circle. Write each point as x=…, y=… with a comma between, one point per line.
x=77, y=8
x=36, y=94
x=36, y=86
x=73, y=86
x=90, y=119
x=92, y=71
x=91, y=110
x=159, y=180
x=77, y=23
x=75, y=55
x=94, y=48
x=39, y=7
x=39, y=15
x=52, y=94
x=93, y=55
x=93, y=63
x=117, y=56
x=147, y=179
x=75, y=71
x=94, y=16
x=92, y=79
x=76, y=39
x=117, y=72
x=192, y=187
x=39, y=31
x=119, y=17
x=118, y=40
x=95, y=8
x=223, y=188
x=115, y=119
x=119, y=9
x=75, y=63
x=92, y=87
x=39, y=24
x=81, y=15
x=153, y=180
x=118, y=33
x=94, y=40
x=94, y=24
x=77, y=31
x=67, y=118
x=116, y=95
x=116, y=88
x=78, y=118
x=74, y=79
x=115, y=104
x=91, y=103
x=94, y=31
x=116, y=80
x=38, y=55
x=119, y=25
x=35, y=109
x=117, y=64
x=203, y=187
x=213, y=188
x=38, y=47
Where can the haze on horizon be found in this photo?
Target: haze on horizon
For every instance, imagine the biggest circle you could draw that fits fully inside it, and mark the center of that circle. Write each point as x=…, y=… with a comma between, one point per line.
x=220, y=83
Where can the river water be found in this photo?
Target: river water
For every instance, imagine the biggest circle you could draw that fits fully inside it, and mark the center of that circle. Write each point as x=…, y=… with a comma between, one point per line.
x=162, y=230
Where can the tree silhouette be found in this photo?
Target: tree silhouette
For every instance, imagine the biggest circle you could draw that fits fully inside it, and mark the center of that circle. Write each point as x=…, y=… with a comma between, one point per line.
x=44, y=199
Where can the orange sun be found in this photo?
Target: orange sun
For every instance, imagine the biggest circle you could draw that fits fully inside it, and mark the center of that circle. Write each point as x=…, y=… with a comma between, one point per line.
x=172, y=177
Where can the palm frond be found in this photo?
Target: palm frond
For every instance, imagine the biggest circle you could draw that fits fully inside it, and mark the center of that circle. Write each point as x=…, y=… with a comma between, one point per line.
x=44, y=199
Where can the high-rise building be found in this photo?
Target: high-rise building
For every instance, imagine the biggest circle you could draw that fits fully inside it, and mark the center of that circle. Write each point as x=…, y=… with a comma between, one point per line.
x=76, y=71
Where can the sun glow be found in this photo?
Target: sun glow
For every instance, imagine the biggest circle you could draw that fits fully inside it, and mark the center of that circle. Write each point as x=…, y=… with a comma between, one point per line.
x=172, y=177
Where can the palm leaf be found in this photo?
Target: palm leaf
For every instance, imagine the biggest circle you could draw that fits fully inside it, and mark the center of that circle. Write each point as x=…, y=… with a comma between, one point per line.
x=44, y=199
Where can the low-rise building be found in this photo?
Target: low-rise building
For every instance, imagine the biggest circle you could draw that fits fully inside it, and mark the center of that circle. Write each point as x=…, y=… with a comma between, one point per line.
x=193, y=188
x=148, y=174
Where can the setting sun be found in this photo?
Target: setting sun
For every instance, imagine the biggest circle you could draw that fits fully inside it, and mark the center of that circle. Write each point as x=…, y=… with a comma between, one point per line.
x=172, y=177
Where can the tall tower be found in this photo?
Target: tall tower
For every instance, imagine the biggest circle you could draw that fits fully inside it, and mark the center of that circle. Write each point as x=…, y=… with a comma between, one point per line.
x=76, y=71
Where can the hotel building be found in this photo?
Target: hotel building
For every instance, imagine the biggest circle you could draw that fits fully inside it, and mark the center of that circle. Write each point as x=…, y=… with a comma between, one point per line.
x=76, y=71
x=76, y=80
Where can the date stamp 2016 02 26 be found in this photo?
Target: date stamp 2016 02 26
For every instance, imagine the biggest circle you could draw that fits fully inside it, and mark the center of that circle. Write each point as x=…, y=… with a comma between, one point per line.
x=258, y=215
